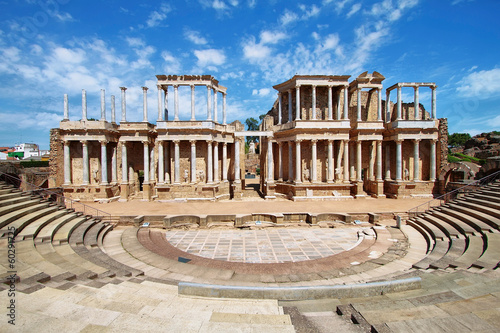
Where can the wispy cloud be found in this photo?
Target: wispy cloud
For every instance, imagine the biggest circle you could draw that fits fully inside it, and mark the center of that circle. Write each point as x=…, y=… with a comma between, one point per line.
x=195, y=37
x=480, y=84
x=156, y=17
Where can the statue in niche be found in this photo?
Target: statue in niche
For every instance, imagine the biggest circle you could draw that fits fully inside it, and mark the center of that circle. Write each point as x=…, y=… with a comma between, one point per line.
x=186, y=175
x=406, y=174
x=201, y=176
x=305, y=174
x=252, y=147
x=167, y=177
x=338, y=173
x=96, y=176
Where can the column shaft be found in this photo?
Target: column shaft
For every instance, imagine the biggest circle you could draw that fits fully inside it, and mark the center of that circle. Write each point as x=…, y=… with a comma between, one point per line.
x=297, y=103
x=359, y=103
x=224, y=120
x=176, y=103
x=387, y=106
x=104, y=163
x=416, y=104
x=177, y=171
x=387, y=161
x=433, y=106
x=346, y=103
x=346, y=160
x=379, y=160
x=193, y=161
x=215, y=105
x=314, y=158
x=209, y=101
x=290, y=105
x=224, y=161
x=103, y=105
x=66, y=107
x=290, y=161
x=400, y=110
x=236, y=160
x=279, y=108
x=85, y=161
x=84, y=104
x=210, y=164
x=330, y=103
x=358, y=161
x=145, y=104
x=280, y=161
x=67, y=164
x=124, y=163
x=113, y=110
x=298, y=163
x=379, y=104
x=165, y=102
x=373, y=154
x=432, y=174
x=193, y=115
x=270, y=167
x=161, y=162
x=330, y=171
x=313, y=102
x=152, y=173
x=339, y=109
x=416, y=160
x=216, y=162
x=114, y=164
x=124, y=105
x=146, y=162
x=399, y=160
x=160, y=106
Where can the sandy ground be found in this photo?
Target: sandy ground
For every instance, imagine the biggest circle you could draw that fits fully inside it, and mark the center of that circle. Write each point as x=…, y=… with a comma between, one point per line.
x=137, y=207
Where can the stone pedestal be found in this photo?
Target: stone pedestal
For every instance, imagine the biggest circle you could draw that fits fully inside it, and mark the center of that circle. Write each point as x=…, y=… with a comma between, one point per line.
x=146, y=191
x=236, y=190
x=124, y=192
x=358, y=191
x=270, y=189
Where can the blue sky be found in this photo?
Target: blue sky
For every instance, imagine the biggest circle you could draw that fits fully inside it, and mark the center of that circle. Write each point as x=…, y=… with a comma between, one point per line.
x=52, y=47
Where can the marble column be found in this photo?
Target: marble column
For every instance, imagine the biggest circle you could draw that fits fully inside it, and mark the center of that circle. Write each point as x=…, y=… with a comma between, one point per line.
x=298, y=163
x=85, y=161
x=313, y=116
x=314, y=160
x=432, y=162
x=152, y=171
x=216, y=162
x=399, y=160
x=146, y=162
x=346, y=161
x=145, y=104
x=104, y=163
x=84, y=104
x=289, y=105
x=67, y=164
x=340, y=154
x=371, y=165
x=358, y=102
x=161, y=162
x=330, y=170
x=193, y=115
x=279, y=108
x=103, y=105
x=209, y=101
x=387, y=106
x=358, y=160
x=297, y=103
x=193, y=161
x=224, y=120
x=176, y=102
x=379, y=104
x=224, y=161
x=280, y=161
x=330, y=103
x=270, y=167
x=124, y=163
x=177, y=168
x=237, y=160
x=113, y=110
x=165, y=102
x=400, y=107
x=416, y=160
x=114, y=164
x=168, y=169
x=290, y=161
x=339, y=109
x=66, y=107
x=210, y=164
x=346, y=103
x=433, y=101
x=379, y=160
x=416, y=104
x=160, y=106
x=124, y=105
x=215, y=105
x=388, y=161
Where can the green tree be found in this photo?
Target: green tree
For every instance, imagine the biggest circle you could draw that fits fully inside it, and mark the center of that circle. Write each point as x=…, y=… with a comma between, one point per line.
x=458, y=139
x=252, y=125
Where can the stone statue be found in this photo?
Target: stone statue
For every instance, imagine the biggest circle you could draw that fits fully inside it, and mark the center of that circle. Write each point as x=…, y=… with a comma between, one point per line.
x=252, y=147
x=338, y=172
x=406, y=174
x=186, y=175
x=96, y=176
x=201, y=176
x=305, y=174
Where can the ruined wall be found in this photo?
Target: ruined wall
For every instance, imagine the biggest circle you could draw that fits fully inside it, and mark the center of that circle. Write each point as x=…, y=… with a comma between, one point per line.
x=56, y=159
x=442, y=145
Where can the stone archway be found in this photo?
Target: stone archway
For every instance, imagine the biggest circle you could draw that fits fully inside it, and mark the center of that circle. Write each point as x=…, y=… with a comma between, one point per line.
x=492, y=165
x=456, y=172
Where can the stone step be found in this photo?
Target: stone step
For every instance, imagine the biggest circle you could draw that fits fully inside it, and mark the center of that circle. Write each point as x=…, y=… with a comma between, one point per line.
x=20, y=212
x=479, y=207
x=491, y=196
x=40, y=217
x=449, y=229
x=432, y=229
x=485, y=218
x=62, y=234
x=461, y=226
x=438, y=252
x=45, y=232
x=17, y=206
x=16, y=199
x=473, y=222
x=9, y=194
x=487, y=203
x=472, y=253
x=491, y=255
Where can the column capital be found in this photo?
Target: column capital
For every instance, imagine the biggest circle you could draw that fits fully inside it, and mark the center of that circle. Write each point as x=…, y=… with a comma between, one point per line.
x=67, y=142
x=314, y=85
x=159, y=86
x=192, y=86
x=330, y=141
x=175, y=86
x=417, y=140
x=145, y=142
x=103, y=142
x=400, y=141
x=145, y=88
x=193, y=142
x=297, y=86
x=209, y=88
x=123, y=88
x=298, y=141
x=434, y=140
x=176, y=141
x=224, y=144
x=314, y=141
x=289, y=91
x=280, y=143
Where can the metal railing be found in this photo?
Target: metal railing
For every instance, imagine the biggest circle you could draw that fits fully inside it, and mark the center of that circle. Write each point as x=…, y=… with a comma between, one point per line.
x=55, y=195
x=461, y=191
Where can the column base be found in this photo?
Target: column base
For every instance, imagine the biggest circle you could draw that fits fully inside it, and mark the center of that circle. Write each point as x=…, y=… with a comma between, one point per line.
x=146, y=192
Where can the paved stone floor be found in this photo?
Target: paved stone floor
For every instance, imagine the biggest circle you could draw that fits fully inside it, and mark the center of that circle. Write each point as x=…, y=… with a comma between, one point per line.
x=264, y=246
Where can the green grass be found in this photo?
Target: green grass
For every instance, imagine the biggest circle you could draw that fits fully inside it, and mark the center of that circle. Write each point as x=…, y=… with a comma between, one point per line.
x=458, y=157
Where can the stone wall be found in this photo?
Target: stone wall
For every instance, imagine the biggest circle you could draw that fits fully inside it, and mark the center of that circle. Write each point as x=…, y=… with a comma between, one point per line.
x=56, y=159
x=442, y=145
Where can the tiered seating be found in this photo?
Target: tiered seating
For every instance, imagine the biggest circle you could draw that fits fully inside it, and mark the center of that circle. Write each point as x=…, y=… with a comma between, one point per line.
x=462, y=233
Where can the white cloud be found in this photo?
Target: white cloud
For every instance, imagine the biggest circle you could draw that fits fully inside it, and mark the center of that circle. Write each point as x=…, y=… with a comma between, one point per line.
x=210, y=57
x=195, y=37
x=308, y=13
x=172, y=64
x=255, y=52
x=354, y=9
x=456, y=2
x=219, y=5
x=261, y=92
x=156, y=17
x=288, y=17
x=252, y=3
x=482, y=84
x=271, y=37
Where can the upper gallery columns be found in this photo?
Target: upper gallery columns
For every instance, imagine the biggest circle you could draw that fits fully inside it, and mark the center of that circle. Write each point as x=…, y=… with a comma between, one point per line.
x=416, y=101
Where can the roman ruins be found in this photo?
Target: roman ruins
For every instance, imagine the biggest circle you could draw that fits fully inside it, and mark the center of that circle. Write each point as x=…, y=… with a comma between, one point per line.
x=324, y=139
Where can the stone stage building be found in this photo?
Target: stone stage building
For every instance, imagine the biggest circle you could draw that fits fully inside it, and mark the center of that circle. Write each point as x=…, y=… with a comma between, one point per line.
x=325, y=138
